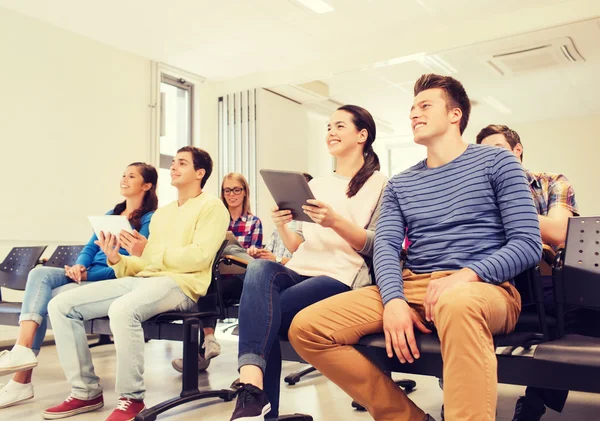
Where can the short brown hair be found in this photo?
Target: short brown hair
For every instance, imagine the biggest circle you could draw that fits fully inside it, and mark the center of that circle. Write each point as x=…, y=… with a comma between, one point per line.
x=510, y=135
x=202, y=160
x=456, y=96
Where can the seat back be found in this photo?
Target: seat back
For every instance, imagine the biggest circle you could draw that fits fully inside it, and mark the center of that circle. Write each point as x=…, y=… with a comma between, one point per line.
x=16, y=266
x=64, y=256
x=581, y=264
x=576, y=271
x=213, y=297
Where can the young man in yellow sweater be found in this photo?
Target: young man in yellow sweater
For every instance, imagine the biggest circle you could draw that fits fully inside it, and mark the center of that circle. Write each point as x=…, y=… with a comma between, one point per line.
x=172, y=273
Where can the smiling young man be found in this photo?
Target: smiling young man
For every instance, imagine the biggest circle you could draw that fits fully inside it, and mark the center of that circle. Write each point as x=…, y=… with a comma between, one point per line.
x=173, y=271
x=473, y=228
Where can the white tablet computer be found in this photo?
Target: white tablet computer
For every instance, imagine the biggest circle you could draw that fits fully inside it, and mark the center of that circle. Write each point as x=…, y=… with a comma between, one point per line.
x=113, y=224
x=289, y=190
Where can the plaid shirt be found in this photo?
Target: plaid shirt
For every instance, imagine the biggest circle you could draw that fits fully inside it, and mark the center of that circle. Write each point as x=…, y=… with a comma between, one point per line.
x=275, y=244
x=550, y=190
x=248, y=230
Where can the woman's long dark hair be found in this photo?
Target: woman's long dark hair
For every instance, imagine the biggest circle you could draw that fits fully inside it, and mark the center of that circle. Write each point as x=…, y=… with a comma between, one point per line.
x=150, y=202
x=363, y=120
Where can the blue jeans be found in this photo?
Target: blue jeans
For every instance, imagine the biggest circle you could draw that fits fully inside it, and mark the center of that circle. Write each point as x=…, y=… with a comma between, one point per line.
x=43, y=283
x=271, y=297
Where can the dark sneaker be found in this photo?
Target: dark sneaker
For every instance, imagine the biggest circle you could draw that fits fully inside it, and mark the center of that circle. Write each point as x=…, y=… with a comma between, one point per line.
x=126, y=410
x=442, y=413
x=73, y=406
x=528, y=410
x=252, y=404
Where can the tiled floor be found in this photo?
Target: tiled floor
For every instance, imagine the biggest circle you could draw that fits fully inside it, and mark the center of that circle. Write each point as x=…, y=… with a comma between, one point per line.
x=314, y=394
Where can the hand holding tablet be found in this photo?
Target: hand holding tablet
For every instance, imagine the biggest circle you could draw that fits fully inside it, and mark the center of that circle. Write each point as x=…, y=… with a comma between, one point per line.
x=291, y=193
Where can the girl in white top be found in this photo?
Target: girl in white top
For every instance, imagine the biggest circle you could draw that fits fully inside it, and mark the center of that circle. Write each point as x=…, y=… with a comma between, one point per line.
x=328, y=259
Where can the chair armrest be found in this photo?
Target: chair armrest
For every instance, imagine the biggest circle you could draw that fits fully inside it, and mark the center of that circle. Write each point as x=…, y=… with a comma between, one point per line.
x=230, y=259
x=548, y=254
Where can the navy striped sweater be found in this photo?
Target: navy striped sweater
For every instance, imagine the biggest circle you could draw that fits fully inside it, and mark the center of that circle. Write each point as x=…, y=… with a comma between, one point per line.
x=475, y=212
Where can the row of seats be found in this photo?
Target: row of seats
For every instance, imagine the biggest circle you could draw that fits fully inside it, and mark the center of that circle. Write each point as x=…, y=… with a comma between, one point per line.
x=538, y=353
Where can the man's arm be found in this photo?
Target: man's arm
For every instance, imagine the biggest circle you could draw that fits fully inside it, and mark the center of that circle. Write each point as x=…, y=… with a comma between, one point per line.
x=561, y=206
x=523, y=247
x=554, y=226
x=389, y=236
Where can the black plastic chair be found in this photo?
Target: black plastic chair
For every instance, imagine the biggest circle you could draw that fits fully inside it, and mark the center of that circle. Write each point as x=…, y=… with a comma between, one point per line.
x=64, y=256
x=162, y=326
x=13, y=274
x=17, y=265
x=576, y=276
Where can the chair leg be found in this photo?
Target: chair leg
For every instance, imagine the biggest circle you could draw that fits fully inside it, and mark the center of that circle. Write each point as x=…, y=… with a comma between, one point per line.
x=295, y=377
x=102, y=340
x=189, y=383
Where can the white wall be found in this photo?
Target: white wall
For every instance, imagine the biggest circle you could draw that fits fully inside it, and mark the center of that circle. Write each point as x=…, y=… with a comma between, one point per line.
x=73, y=114
x=320, y=162
x=570, y=147
x=281, y=133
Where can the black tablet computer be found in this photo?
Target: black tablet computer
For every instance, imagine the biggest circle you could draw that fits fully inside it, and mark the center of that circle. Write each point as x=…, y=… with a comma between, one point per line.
x=289, y=190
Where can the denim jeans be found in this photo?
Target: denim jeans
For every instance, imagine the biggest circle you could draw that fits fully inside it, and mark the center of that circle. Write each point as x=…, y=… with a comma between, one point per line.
x=127, y=302
x=271, y=297
x=43, y=283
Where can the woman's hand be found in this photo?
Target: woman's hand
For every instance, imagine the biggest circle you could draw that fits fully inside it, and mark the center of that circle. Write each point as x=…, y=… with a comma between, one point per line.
x=77, y=273
x=321, y=213
x=281, y=217
x=110, y=245
x=266, y=255
x=134, y=243
x=253, y=251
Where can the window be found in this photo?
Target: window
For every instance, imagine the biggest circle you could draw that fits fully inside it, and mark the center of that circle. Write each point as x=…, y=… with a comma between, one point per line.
x=237, y=138
x=176, y=128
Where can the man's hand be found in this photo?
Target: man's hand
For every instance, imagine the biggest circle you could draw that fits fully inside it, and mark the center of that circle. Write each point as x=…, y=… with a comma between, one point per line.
x=134, y=243
x=321, y=213
x=110, y=245
x=438, y=286
x=77, y=273
x=398, y=321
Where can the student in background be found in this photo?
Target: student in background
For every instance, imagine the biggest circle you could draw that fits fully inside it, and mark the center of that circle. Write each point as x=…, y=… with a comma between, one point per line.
x=469, y=212
x=138, y=186
x=328, y=259
x=554, y=199
x=275, y=249
x=173, y=271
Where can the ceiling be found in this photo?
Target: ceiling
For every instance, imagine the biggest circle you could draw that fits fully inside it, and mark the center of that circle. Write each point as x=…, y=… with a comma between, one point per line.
x=563, y=91
x=223, y=39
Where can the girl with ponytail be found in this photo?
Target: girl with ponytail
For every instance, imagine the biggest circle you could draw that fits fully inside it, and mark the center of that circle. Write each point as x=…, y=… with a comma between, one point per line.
x=329, y=258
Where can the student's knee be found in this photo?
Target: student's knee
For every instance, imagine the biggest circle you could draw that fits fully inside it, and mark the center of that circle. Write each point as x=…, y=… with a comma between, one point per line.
x=259, y=272
x=121, y=313
x=457, y=306
x=59, y=307
x=38, y=275
x=302, y=330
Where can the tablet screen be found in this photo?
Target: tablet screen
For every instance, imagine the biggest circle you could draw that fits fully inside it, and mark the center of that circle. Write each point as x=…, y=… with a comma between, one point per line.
x=113, y=224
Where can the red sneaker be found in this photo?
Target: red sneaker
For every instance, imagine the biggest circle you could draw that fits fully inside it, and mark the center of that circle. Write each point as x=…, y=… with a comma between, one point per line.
x=126, y=410
x=73, y=406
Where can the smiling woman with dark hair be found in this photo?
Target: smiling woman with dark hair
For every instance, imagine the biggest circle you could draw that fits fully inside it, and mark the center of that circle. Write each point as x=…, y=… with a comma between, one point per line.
x=328, y=259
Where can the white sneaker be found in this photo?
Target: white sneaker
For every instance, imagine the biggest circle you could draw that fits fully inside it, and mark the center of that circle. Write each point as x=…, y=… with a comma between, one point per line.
x=13, y=393
x=20, y=358
x=211, y=347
